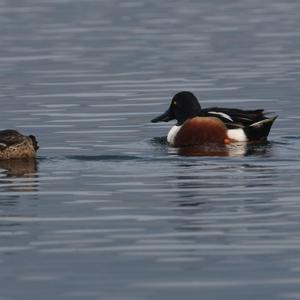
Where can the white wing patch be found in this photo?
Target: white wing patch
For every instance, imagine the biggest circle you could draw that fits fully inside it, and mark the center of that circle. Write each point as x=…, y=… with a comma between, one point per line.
x=3, y=145
x=237, y=135
x=221, y=114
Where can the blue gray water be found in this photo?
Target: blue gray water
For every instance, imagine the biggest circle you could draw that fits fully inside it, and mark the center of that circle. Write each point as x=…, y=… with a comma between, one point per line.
x=108, y=210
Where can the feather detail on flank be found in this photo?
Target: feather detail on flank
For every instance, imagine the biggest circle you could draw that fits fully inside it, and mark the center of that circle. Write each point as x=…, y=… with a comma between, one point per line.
x=3, y=146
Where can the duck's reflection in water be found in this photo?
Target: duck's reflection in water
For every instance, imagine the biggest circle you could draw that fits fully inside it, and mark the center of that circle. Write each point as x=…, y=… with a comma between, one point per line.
x=18, y=175
x=19, y=167
x=232, y=150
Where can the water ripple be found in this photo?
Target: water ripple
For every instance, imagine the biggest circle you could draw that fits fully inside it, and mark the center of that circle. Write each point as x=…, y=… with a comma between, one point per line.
x=108, y=210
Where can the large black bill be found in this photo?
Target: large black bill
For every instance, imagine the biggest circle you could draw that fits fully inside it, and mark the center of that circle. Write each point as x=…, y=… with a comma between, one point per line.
x=165, y=117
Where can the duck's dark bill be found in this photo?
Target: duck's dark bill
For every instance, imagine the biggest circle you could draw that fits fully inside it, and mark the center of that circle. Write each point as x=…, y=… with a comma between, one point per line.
x=165, y=117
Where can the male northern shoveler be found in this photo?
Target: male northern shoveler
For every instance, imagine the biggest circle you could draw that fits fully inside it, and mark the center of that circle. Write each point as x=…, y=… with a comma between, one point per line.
x=14, y=145
x=196, y=126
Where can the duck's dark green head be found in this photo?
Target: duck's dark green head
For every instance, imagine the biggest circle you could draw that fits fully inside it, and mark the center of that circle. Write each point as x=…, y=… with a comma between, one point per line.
x=184, y=105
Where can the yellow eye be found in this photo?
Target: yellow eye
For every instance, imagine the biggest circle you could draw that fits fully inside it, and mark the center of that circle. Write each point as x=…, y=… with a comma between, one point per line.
x=174, y=103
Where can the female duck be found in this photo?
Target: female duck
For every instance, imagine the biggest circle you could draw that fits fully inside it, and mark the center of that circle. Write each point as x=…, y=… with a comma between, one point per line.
x=14, y=145
x=196, y=126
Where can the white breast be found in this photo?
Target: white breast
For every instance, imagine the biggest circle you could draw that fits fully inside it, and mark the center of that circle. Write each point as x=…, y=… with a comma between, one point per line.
x=172, y=134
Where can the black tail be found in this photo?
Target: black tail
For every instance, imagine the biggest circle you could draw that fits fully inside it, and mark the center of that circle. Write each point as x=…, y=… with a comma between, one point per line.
x=34, y=142
x=260, y=130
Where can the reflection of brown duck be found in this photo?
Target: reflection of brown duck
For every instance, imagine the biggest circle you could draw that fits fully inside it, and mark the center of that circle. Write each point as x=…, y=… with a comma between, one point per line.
x=14, y=145
x=19, y=167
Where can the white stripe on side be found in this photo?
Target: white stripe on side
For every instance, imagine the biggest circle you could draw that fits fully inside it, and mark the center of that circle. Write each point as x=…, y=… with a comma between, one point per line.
x=237, y=135
x=260, y=123
x=221, y=114
x=172, y=134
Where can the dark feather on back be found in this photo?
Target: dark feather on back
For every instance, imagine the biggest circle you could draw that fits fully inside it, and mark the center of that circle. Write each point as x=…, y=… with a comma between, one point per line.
x=240, y=118
x=10, y=137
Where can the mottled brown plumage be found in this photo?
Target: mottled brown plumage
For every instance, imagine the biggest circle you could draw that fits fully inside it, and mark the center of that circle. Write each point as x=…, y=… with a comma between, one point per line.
x=14, y=145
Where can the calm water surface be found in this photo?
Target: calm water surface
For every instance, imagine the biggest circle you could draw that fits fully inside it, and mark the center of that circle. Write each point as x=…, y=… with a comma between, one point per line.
x=108, y=210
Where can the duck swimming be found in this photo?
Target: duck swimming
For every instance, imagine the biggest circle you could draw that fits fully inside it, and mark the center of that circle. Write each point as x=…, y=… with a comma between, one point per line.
x=14, y=145
x=196, y=126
